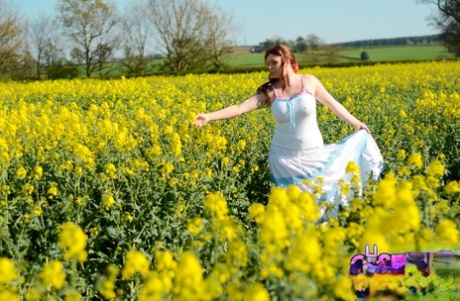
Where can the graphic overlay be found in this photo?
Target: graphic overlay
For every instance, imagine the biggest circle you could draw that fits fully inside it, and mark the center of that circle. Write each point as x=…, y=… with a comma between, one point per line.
x=377, y=274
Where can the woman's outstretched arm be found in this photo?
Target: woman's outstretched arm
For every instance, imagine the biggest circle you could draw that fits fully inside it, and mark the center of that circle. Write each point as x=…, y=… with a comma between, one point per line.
x=323, y=96
x=248, y=105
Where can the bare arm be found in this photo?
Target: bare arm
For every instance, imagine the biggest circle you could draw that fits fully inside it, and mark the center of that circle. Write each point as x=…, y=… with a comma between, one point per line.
x=248, y=105
x=323, y=96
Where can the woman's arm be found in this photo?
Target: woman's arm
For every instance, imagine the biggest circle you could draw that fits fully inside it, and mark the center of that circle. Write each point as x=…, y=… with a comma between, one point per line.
x=323, y=96
x=248, y=105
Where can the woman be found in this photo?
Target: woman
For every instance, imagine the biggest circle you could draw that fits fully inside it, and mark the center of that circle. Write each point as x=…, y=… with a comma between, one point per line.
x=297, y=152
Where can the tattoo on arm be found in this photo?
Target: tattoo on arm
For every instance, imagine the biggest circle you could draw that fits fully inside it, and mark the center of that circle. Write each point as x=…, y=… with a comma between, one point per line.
x=255, y=102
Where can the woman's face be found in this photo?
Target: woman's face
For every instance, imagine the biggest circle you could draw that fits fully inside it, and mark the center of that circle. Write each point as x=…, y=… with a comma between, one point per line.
x=275, y=65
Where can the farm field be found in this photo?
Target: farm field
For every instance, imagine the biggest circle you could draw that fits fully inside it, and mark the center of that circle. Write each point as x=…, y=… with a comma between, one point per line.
x=107, y=192
x=390, y=53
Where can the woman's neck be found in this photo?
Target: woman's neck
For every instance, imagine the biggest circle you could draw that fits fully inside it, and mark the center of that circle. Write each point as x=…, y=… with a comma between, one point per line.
x=288, y=80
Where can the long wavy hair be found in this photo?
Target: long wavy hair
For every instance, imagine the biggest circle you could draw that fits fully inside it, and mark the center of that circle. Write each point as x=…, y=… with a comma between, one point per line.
x=285, y=53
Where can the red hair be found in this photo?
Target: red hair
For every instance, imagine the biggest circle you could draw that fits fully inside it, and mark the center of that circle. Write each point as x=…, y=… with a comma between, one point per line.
x=285, y=53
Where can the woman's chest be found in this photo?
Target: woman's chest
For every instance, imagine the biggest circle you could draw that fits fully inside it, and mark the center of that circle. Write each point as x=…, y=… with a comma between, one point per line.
x=286, y=109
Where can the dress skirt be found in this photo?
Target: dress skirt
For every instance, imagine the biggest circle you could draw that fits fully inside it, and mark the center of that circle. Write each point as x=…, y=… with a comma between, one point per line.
x=326, y=165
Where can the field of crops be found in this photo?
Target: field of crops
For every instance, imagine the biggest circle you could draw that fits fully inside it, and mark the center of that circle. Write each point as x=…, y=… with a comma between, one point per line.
x=107, y=192
x=376, y=54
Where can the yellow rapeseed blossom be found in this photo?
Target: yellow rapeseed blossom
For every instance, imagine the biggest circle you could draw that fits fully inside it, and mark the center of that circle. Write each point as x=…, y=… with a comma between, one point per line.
x=53, y=275
x=72, y=295
x=188, y=283
x=435, y=169
x=8, y=295
x=21, y=172
x=256, y=292
x=217, y=205
x=452, y=187
x=38, y=172
x=153, y=289
x=343, y=291
x=135, y=262
x=415, y=160
x=108, y=201
x=256, y=211
x=447, y=232
x=164, y=261
x=352, y=168
x=72, y=240
x=195, y=226
x=107, y=288
x=7, y=271
x=111, y=170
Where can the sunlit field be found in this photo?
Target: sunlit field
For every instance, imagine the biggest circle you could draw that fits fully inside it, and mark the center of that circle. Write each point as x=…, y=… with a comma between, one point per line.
x=107, y=192
x=350, y=55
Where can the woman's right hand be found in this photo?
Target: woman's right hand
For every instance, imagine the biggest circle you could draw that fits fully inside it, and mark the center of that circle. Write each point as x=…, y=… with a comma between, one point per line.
x=201, y=119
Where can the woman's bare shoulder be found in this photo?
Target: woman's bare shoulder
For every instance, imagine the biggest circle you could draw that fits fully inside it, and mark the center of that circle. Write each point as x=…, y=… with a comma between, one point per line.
x=310, y=77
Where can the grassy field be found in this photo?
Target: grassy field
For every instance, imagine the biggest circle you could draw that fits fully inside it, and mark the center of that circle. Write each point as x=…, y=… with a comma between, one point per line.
x=393, y=53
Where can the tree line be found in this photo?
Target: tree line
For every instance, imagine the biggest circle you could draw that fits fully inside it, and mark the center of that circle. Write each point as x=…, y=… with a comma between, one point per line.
x=400, y=41
x=88, y=36
x=91, y=37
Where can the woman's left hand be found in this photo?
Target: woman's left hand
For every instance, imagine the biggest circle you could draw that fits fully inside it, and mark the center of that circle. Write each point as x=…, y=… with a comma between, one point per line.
x=362, y=126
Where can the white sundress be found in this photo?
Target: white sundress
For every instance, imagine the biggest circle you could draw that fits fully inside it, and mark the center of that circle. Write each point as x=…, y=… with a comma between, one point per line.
x=297, y=152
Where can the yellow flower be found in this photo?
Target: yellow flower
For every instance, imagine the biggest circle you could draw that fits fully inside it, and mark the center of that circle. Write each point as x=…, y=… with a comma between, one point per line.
x=72, y=295
x=256, y=292
x=415, y=160
x=111, y=170
x=28, y=188
x=195, y=226
x=153, y=289
x=21, y=172
x=73, y=240
x=343, y=289
x=32, y=294
x=127, y=216
x=435, y=169
x=217, y=205
x=447, y=231
x=53, y=275
x=168, y=168
x=37, y=211
x=401, y=154
x=165, y=261
x=452, y=187
x=225, y=161
x=108, y=201
x=188, y=283
x=8, y=295
x=352, y=168
x=38, y=172
x=136, y=262
x=7, y=271
x=107, y=288
x=256, y=212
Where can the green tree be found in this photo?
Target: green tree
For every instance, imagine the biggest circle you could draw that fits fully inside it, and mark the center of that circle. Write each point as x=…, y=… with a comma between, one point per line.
x=364, y=56
x=91, y=26
x=45, y=43
x=447, y=20
x=301, y=44
x=193, y=35
x=137, y=35
x=11, y=43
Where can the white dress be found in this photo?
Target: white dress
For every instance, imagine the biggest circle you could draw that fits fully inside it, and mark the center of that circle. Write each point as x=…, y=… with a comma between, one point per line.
x=297, y=152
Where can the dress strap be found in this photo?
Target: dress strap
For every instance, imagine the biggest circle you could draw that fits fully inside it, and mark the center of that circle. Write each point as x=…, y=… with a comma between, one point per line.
x=302, y=79
x=276, y=93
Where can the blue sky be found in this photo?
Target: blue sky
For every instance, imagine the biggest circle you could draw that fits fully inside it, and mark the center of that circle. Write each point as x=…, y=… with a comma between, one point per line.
x=333, y=21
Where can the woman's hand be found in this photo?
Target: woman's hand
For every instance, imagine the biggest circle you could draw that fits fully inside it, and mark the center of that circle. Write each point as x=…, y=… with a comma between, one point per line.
x=361, y=126
x=201, y=119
